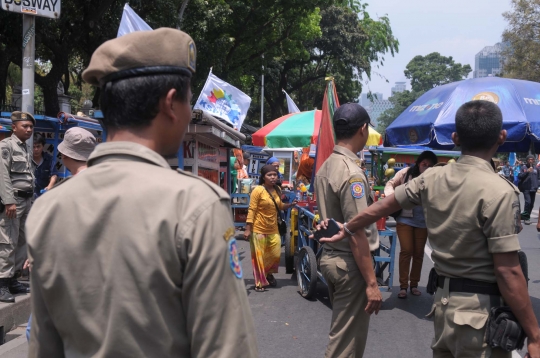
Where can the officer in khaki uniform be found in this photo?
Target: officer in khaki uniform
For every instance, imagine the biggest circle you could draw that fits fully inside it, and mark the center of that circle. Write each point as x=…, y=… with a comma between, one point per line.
x=343, y=191
x=16, y=191
x=130, y=258
x=473, y=221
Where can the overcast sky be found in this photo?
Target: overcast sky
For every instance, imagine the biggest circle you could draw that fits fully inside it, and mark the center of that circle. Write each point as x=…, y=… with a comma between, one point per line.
x=457, y=28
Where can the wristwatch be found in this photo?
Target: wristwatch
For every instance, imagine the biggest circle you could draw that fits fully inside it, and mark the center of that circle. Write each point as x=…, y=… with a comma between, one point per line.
x=349, y=232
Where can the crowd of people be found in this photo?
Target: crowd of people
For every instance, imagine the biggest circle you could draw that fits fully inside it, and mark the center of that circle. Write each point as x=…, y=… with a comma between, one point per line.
x=131, y=259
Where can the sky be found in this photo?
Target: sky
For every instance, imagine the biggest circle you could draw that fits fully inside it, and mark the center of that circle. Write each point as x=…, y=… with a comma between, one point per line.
x=457, y=28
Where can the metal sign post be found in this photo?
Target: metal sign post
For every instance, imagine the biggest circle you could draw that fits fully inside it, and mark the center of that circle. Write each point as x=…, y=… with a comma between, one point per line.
x=29, y=10
x=28, y=64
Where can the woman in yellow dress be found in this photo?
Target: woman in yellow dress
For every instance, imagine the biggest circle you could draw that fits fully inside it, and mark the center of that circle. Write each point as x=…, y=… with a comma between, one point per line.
x=262, y=228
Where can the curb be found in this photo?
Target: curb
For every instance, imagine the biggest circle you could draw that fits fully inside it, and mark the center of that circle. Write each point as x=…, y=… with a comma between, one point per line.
x=14, y=314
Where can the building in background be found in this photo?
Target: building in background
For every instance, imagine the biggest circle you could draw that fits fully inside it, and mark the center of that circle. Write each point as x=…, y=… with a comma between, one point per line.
x=488, y=62
x=399, y=87
x=376, y=107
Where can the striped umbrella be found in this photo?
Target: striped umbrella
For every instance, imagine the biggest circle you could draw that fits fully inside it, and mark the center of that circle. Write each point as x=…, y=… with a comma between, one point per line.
x=297, y=130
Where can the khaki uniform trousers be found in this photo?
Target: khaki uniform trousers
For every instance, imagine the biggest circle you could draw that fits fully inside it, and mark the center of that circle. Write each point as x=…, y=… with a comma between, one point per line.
x=347, y=291
x=460, y=321
x=13, y=249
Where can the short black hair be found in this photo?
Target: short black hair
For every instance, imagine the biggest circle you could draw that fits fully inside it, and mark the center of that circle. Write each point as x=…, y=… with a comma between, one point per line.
x=348, y=132
x=133, y=102
x=478, y=124
x=38, y=139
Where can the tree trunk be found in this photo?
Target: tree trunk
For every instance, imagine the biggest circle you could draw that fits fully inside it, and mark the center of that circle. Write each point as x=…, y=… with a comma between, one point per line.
x=4, y=65
x=181, y=13
x=50, y=97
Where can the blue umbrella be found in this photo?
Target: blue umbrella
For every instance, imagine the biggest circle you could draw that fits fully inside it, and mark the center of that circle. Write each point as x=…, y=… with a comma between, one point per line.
x=430, y=120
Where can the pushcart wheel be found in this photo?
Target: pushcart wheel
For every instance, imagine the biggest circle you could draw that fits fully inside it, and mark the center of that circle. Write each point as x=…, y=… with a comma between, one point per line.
x=289, y=253
x=306, y=272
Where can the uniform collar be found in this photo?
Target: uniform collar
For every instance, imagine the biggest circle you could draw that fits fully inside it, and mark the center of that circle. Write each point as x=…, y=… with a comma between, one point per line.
x=123, y=149
x=344, y=151
x=477, y=162
x=17, y=140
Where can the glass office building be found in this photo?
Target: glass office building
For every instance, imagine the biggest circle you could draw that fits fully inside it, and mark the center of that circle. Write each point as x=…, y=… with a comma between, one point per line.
x=488, y=62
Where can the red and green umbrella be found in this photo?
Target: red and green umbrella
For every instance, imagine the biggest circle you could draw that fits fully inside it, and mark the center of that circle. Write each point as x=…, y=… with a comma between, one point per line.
x=294, y=130
x=297, y=130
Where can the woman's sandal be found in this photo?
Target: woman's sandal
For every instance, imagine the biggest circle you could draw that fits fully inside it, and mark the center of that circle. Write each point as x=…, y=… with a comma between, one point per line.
x=402, y=293
x=259, y=289
x=415, y=291
x=271, y=280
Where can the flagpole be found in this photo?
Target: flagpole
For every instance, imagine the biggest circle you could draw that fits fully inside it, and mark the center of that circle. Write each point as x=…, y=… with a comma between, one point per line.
x=262, y=94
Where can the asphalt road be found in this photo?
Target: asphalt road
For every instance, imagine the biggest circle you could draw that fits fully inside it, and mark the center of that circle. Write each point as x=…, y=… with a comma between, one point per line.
x=288, y=325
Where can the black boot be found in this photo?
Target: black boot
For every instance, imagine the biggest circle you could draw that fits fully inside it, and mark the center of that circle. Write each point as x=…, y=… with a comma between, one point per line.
x=5, y=295
x=17, y=287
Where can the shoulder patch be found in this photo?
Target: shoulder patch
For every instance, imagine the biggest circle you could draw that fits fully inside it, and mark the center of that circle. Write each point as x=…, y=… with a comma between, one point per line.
x=5, y=153
x=234, y=260
x=357, y=190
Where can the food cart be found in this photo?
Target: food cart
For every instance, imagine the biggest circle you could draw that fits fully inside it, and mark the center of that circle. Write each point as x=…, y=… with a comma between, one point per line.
x=206, y=148
x=403, y=157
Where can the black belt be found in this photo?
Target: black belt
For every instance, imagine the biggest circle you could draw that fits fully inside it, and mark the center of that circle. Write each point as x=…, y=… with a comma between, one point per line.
x=24, y=194
x=470, y=286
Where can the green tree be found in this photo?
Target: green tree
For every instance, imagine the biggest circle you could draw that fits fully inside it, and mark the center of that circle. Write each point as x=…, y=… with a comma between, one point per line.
x=425, y=73
x=522, y=53
x=430, y=71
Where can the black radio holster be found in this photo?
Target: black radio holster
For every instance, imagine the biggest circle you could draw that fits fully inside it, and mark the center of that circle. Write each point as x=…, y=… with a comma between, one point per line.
x=432, y=282
x=503, y=330
x=2, y=206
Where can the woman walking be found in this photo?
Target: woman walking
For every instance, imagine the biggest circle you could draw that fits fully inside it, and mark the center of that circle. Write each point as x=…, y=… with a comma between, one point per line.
x=262, y=228
x=411, y=227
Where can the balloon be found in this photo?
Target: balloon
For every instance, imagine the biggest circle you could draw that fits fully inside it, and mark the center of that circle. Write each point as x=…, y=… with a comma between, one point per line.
x=451, y=161
x=389, y=172
x=391, y=162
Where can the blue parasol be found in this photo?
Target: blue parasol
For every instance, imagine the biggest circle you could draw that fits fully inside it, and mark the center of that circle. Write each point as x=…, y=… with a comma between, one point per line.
x=430, y=120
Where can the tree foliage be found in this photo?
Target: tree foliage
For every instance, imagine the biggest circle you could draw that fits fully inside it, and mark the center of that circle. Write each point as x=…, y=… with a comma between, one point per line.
x=522, y=53
x=430, y=71
x=299, y=43
x=424, y=73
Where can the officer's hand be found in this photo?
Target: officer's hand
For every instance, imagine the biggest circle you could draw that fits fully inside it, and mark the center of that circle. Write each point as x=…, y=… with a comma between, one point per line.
x=11, y=211
x=533, y=349
x=374, y=299
x=338, y=237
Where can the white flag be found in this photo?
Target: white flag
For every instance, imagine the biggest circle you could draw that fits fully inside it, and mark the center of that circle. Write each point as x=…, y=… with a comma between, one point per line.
x=223, y=100
x=131, y=22
x=290, y=103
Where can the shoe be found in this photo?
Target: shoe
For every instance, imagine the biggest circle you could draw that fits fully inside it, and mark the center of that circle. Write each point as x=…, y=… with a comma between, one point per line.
x=5, y=295
x=17, y=287
x=527, y=222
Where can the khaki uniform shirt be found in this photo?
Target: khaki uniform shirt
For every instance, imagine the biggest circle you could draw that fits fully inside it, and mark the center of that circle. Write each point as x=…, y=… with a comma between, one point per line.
x=471, y=213
x=342, y=192
x=133, y=259
x=16, y=168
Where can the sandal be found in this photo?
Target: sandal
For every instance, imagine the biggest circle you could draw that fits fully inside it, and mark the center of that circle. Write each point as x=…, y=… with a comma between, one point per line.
x=402, y=293
x=259, y=289
x=415, y=291
x=271, y=280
